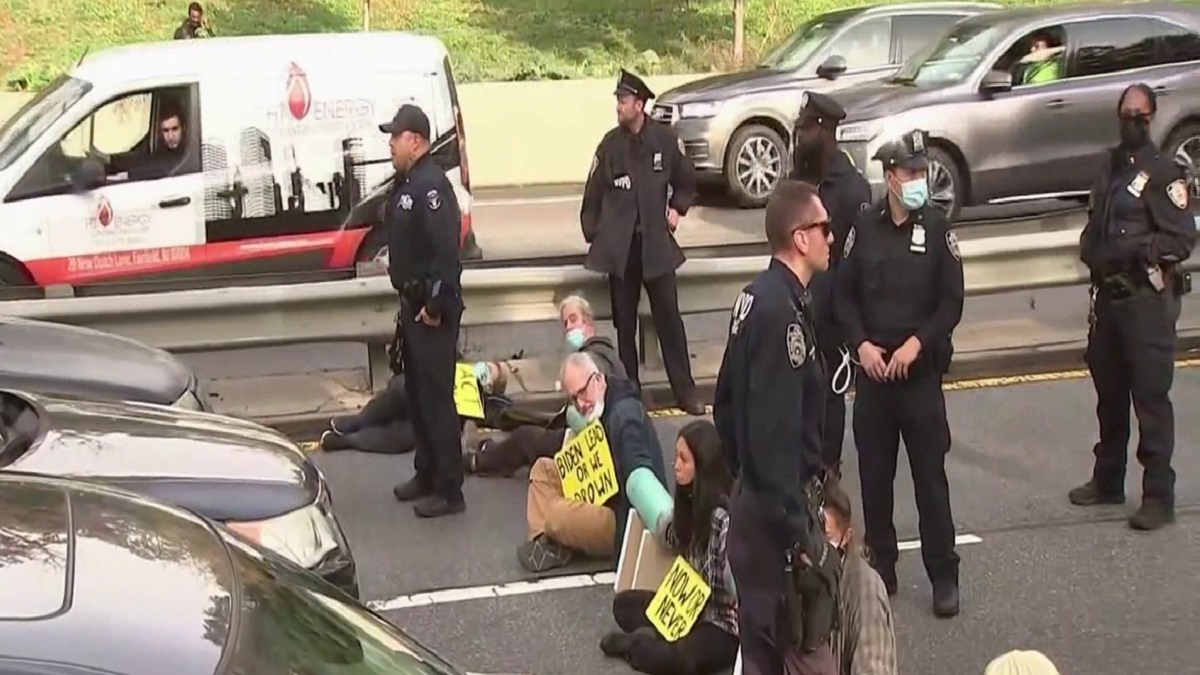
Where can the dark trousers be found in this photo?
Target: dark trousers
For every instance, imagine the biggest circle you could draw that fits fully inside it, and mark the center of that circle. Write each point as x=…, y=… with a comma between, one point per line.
x=381, y=427
x=429, y=363
x=522, y=447
x=705, y=649
x=1131, y=356
x=663, y=292
x=915, y=410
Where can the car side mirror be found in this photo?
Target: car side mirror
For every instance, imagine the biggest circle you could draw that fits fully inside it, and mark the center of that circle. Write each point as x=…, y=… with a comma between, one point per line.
x=996, y=81
x=90, y=175
x=831, y=68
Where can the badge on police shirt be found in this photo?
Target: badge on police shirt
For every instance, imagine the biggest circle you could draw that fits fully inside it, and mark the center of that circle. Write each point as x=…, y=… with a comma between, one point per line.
x=657, y=164
x=1138, y=184
x=1178, y=193
x=406, y=202
x=797, y=350
x=850, y=241
x=917, y=244
x=434, y=200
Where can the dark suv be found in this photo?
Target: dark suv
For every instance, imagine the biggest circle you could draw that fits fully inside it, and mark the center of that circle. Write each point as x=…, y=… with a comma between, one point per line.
x=1021, y=105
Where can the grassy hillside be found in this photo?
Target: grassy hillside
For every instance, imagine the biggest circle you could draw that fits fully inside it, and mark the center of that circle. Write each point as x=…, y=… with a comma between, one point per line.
x=489, y=39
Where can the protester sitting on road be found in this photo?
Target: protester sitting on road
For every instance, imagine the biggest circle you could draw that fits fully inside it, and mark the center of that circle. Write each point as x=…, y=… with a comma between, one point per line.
x=865, y=642
x=700, y=523
x=1020, y=662
x=561, y=527
x=525, y=444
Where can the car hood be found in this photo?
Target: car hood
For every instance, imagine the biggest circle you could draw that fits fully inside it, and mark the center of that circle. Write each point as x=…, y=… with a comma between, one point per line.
x=74, y=362
x=221, y=467
x=726, y=85
x=872, y=100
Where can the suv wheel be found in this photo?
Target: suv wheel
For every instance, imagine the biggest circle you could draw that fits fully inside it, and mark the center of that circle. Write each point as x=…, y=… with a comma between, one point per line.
x=754, y=164
x=1184, y=147
x=945, y=183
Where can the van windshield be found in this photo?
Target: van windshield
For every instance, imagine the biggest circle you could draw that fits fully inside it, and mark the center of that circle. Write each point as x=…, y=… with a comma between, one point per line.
x=36, y=116
x=953, y=58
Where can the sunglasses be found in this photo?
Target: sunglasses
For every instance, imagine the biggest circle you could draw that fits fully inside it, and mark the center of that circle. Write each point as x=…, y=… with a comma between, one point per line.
x=1135, y=116
x=824, y=226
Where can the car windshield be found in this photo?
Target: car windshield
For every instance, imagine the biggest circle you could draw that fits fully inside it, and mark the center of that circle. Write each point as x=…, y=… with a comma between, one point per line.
x=20, y=425
x=955, y=56
x=293, y=623
x=797, y=49
x=36, y=116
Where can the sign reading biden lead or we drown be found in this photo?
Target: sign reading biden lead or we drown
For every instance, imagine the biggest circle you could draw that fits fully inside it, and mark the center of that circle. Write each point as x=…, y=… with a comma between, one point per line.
x=585, y=466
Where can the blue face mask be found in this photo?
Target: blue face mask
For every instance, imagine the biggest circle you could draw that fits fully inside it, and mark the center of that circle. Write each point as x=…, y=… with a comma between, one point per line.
x=576, y=420
x=576, y=338
x=914, y=193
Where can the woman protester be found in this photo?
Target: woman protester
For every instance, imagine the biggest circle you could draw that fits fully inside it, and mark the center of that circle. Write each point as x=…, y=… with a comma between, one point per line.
x=698, y=529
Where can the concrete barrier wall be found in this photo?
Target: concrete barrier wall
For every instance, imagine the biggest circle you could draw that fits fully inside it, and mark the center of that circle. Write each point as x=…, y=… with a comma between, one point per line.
x=518, y=133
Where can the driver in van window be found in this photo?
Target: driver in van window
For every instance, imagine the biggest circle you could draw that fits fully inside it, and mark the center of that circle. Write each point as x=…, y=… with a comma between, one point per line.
x=169, y=152
x=1041, y=64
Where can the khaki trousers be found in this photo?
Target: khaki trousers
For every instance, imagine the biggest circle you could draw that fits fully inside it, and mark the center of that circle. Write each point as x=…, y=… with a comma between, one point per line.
x=577, y=525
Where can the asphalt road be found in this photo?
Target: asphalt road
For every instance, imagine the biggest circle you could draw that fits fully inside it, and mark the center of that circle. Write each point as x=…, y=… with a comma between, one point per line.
x=1074, y=583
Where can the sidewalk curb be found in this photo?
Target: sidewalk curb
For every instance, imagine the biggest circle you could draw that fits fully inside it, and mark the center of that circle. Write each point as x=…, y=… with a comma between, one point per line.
x=992, y=364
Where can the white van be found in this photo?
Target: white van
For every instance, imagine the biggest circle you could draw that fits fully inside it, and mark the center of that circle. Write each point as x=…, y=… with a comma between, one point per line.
x=218, y=157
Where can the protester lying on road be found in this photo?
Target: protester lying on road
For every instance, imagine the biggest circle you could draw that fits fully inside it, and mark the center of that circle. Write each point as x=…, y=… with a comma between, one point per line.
x=699, y=524
x=865, y=642
x=579, y=501
x=528, y=442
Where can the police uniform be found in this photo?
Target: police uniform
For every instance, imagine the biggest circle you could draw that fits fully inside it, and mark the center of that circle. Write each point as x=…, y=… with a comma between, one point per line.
x=844, y=192
x=897, y=282
x=1139, y=230
x=633, y=179
x=422, y=220
x=767, y=408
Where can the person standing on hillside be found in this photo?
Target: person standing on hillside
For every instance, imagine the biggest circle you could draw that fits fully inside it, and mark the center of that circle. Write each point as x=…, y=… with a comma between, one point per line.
x=194, y=26
x=844, y=192
x=640, y=184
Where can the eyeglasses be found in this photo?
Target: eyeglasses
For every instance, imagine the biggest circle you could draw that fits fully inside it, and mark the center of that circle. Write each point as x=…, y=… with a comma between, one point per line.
x=577, y=395
x=824, y=226
x=1135, y=116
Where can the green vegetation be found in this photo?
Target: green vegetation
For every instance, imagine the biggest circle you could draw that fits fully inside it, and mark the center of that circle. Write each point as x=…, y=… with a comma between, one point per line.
x=488, y=39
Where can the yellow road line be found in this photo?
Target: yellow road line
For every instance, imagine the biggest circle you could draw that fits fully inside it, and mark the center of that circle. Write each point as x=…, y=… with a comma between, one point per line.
x=960, y=385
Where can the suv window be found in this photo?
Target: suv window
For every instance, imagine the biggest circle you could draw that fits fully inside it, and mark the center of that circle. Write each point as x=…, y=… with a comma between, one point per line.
x=914, y=32
x=1110, y=46
x=866, y=45
x=1173, y=43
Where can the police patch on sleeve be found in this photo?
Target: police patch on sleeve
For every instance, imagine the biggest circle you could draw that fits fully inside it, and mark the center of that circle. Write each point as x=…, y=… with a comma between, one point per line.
x=850, y=240
x=595, y=164
x=679, y=143
x=1178, y=194
x=797, y=350
x=741, y=310
x=952, y=244
x=434, y=199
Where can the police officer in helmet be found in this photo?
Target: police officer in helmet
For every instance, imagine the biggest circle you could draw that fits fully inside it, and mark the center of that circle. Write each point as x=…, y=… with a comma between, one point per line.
x=1139, y=231
x=768, y=408
x=844, y=191
x=899, y=297
x=422, y=220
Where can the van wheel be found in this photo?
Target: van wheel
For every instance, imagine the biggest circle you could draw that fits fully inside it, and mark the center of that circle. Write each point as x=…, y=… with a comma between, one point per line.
x=754, y=165
x=1184, y=148
x=946, y=189
x=12, y=275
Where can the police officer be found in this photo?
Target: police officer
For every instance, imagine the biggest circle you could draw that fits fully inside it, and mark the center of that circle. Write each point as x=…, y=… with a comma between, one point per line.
x=639, y=186
x=899, y=297
x=1138, y=232
x=422, y=220
x=844, y=192
x=768, y=406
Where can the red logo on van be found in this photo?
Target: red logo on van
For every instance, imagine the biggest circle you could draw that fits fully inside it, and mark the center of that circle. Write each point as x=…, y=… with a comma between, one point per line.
x=104, y=213
x=299, y=95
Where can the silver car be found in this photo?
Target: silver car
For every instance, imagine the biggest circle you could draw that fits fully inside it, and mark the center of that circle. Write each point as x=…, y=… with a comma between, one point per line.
x=1021, y=105
x=737, y=127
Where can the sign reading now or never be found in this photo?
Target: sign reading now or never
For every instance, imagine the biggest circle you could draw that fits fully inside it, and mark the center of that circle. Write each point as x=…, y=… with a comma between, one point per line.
x=585, y=466
x=466, y=392
x=678, y=602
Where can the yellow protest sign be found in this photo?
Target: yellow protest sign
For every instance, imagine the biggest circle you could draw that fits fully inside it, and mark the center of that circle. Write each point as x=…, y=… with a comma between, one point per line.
x=585, y=466
x=466, y=392
x=680, y=599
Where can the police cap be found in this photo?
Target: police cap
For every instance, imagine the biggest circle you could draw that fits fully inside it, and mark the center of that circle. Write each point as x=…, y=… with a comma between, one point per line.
x=630, y=84
x=408, y=118
x=822, y=108
x=907, y=152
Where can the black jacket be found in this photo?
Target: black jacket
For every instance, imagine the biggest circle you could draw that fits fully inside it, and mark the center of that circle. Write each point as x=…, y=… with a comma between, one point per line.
x=605, y=355
x=633, y=442
x=626, y=191
x=423, y=220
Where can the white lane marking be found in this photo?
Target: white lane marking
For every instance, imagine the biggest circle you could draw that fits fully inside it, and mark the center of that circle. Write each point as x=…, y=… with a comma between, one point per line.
x=573, y=581
x=524, y=201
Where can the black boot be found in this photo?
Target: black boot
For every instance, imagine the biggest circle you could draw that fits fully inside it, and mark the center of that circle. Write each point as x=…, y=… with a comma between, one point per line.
x=436, y=506
x=945, y=598
x=1092, y=493
x=1153, y=514
x=412, y=490
x=616, y=644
